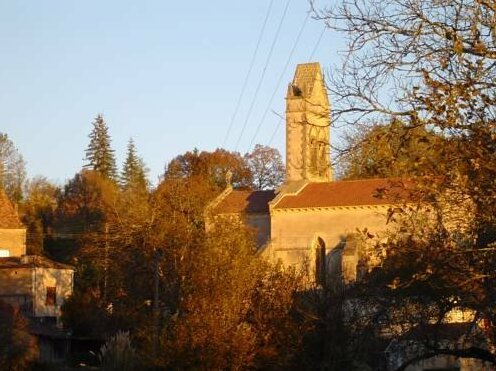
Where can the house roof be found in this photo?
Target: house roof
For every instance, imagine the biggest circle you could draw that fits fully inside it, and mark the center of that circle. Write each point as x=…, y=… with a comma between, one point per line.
x=366, y=192
x=31, y=261
x=245, y=201
x=8, y=215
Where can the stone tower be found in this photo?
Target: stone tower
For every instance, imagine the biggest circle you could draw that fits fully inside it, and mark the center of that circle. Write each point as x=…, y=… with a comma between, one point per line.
x=307, y=126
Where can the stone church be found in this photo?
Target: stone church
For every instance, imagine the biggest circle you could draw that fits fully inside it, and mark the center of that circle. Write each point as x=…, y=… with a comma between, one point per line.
x=311, y=221
x=318, y=224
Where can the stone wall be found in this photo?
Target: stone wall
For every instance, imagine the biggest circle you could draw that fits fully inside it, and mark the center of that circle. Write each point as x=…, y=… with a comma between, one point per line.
x=295, y=232
x=13, y=240
x=61, y=279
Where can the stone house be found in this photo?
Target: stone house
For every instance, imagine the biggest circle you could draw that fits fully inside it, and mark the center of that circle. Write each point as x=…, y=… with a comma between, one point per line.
x=37, y=285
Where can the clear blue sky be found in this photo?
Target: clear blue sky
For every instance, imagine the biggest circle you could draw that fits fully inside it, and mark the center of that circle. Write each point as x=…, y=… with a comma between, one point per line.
x=167, y=73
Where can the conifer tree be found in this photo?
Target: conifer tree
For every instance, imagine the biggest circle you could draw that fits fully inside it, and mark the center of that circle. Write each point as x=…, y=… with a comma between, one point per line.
x=99, y=154
x=133, y=170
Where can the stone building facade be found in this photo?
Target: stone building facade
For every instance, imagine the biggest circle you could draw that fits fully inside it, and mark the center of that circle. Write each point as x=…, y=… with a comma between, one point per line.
x=315, y=223
x=12, y=232
x=37, y=285
x=311, y=222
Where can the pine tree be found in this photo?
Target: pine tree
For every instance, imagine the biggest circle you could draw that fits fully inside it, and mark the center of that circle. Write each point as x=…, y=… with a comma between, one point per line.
x=133, y=170
x=99, y=154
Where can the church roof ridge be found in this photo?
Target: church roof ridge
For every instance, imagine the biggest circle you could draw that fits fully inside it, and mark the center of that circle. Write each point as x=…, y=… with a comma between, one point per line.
x=368, y=180
x=342, y=193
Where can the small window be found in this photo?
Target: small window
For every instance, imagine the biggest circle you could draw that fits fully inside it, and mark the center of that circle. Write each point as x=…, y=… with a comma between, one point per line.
x=4, y=253
x=51, y=296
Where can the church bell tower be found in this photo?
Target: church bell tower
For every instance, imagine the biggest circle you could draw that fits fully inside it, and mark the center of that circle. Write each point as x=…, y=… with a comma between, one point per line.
x=308, y=126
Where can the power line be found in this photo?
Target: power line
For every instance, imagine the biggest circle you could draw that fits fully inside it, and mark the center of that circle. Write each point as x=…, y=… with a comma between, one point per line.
x=275, y=131
x=250, y=68
x=281, y=76
x=263, y=73
x=317, y=43
x=311, y=57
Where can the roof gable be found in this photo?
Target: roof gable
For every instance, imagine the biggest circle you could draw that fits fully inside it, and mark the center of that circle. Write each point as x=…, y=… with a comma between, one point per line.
x=245, y=201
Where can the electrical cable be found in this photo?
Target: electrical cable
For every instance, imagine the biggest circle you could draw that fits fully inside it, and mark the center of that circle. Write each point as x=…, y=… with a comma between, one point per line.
x=263, y=74
x=275, y=131
x=250, y=68
x=310, y=59
x=317, y=44
x=281, y=76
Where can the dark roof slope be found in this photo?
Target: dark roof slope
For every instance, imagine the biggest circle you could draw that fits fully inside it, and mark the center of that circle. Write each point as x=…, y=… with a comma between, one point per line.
x=8, y=215
x=367, y=192
x=245, y=201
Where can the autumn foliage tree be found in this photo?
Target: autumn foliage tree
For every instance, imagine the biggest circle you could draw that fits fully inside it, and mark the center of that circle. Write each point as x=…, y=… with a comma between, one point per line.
x=233, y=310
x=388, y=150
x=103, y=231
x=18, y=348
x=189, y=297
x=430, y=65
x=219, y=304
x=84, y=210
x=211, y=167
x=37, y=212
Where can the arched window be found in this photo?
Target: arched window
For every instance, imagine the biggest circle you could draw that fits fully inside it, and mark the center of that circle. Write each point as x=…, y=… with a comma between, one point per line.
x=320, y=262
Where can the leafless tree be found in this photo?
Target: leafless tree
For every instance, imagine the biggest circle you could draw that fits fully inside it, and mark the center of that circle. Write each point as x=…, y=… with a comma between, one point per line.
x=266, y=166
x=12, y=168
x=430, y=64
x=395, y=46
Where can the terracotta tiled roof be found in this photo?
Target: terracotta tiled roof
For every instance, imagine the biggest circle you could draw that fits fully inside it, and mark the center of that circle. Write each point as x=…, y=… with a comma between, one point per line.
x=245, y=201
x=346, y=193
x=31, y=261
x=8, y=216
